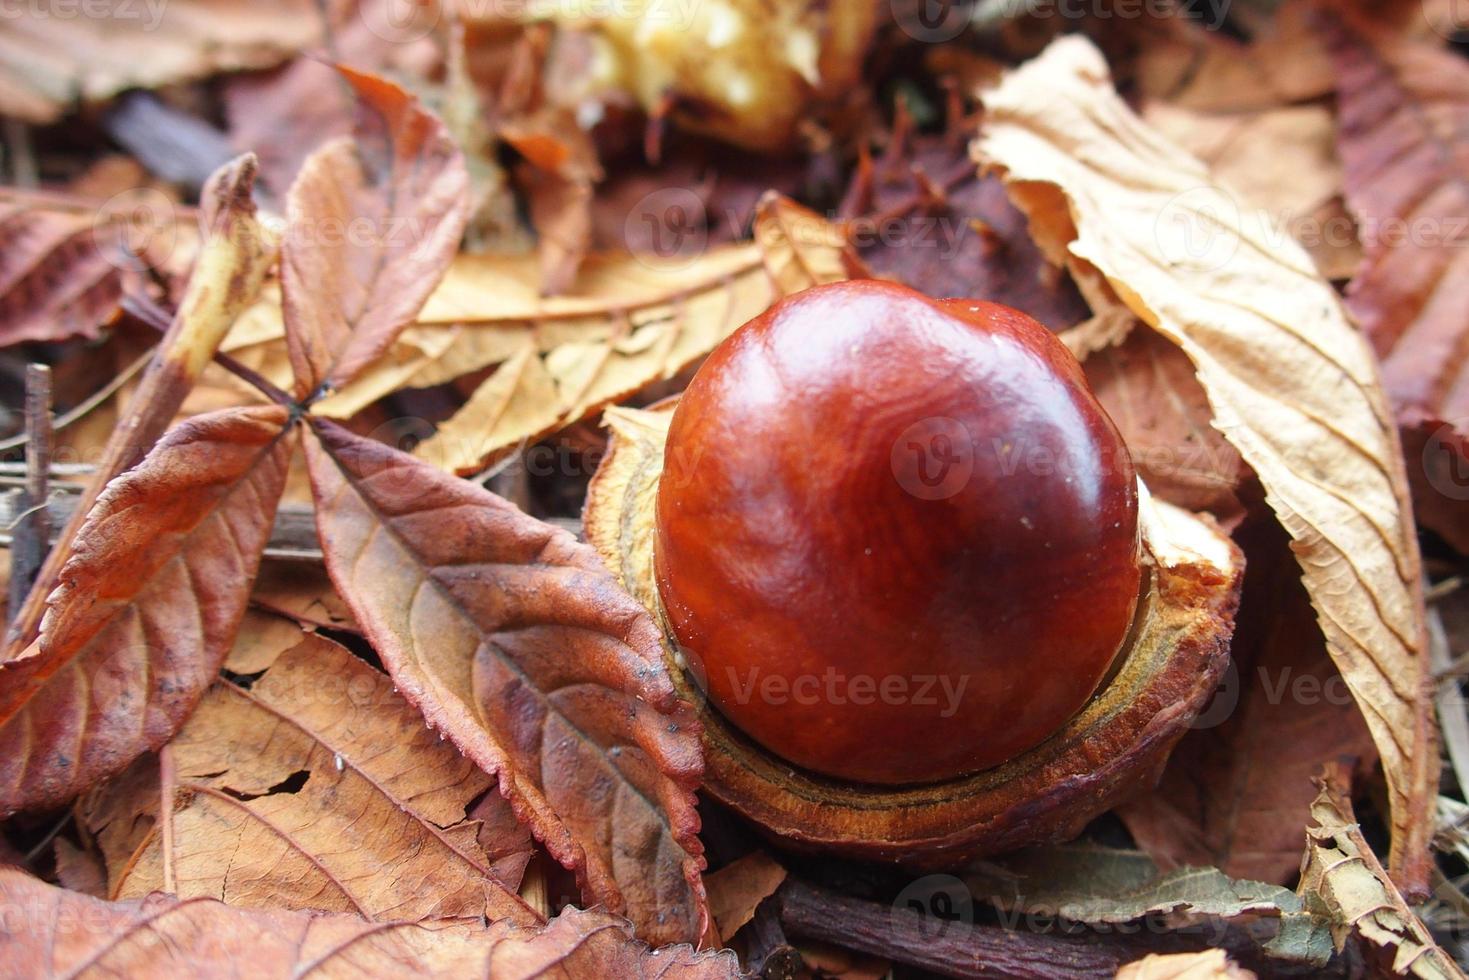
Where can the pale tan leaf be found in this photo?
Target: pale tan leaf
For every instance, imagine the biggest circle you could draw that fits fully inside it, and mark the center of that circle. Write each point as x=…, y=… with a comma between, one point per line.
x=53, y=932
x=316, y=786
x=1292, y=385
x=1342, y=880
x=1210, y=964
x=629, y=321
x=737, y=889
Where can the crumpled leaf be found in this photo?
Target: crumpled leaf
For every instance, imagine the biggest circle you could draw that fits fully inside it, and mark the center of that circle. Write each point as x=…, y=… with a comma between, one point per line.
x=514, y=641
x=52, y=60
x=54, y=932
x=146, y=608
x=315, y=785
x=922, y=215
x=373, y=223
x=630, y=321
x=1342, y=880
x=67, y=260
x=1104, y=886
x=1404, y=116
x=1293, y=386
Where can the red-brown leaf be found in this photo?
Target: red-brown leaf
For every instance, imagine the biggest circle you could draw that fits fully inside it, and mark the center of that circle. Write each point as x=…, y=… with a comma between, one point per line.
x=514, y=640
x=373, y=224
x=53, y=932
x=66, y=261
x=146, y=608
x=1404, y=141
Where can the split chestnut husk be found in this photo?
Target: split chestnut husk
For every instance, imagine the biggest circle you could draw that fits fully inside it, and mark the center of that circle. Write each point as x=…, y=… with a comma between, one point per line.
x=1115, y=747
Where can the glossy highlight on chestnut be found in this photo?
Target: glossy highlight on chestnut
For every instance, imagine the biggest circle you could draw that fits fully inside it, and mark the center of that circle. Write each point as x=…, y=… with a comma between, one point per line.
x=896, y=537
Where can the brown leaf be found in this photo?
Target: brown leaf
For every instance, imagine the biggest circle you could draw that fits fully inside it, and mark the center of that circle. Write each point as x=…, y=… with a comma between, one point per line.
x=737, y=889
x=53, y=932
x=304, y=593
x=1342, y=880
x=1149, y=388
x=146, y=608
x=66, y=260
x=373, y=223
x=513, y=640
x=52, y=61
x=231, y=265
x=922, y=215
x=1237, y=790
x=1293, y=386
x=317, y=786
x=1404, y=115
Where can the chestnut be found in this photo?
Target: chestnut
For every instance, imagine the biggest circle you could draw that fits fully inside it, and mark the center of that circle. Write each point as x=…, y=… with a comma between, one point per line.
x=899, y=536
x=904, y=566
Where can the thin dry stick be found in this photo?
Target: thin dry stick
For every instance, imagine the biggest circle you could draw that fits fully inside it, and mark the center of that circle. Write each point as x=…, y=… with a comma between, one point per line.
x=32, y=533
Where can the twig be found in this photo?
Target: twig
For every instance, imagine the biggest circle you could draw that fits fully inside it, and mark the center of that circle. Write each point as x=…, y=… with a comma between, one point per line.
x=81, y=409
x=31, y=536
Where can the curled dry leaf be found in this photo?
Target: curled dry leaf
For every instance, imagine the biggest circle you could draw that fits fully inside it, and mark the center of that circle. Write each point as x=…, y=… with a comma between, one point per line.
x=146, y=608
x=67, y=260
x=1293, y=386
x=314, y=786
x=373, y=222
x=1404, y=112
x=1342, y=881
x=52, y=61
x=738, y=888
x=1103, y=886
x=54, y=932
x=513, y=640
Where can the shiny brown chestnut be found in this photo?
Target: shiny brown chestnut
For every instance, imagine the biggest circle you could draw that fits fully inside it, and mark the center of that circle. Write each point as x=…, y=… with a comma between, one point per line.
x=896, y=538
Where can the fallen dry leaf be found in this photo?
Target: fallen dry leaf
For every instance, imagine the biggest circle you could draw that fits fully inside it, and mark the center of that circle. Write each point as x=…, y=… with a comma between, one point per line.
x=738, y=888
x=1342, y=880
x=68, y=260
x=1210, y=964
x=373, y=222
x=53, y=932
x=55, y=58
x=1149, y=388
x=630, y=321
x=1238, y=789
x=1404, y=115
x=1292, y=385
x=514, y=641
x=146, y=607
x=231, y=265
x=316, y=786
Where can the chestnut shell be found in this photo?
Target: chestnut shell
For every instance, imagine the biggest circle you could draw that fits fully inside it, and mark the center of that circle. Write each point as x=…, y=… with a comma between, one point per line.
x=896, y=537
x=1116, y=746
